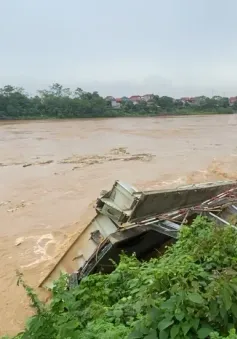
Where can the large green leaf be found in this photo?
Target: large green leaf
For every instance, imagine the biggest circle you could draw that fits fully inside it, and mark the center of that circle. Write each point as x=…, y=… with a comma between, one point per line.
x=213, y=309
x=227, y=299
x=195, y=298
x=174, y=331
x=151, y=335
x=204, y=332
x=180, y=315
x=154, y=313
x=186, y=327
x=164, y=335
x=163, y=324
x=234, y=309
x=195, y=323
x=136, y=334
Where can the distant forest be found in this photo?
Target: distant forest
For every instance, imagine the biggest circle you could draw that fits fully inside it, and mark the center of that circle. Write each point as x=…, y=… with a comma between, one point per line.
x=59, y=102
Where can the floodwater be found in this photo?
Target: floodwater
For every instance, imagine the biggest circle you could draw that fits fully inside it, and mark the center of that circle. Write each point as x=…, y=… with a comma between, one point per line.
x=51, y=172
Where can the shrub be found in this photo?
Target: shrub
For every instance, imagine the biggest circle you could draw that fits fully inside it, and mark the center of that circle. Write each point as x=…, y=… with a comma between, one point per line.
x=189, y=292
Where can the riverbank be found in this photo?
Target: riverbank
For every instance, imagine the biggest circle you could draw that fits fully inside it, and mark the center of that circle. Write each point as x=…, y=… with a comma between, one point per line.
x=59, y=102
x=115, y=115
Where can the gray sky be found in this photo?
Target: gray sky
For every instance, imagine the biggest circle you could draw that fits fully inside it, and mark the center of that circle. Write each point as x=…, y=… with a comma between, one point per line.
x=125, y=47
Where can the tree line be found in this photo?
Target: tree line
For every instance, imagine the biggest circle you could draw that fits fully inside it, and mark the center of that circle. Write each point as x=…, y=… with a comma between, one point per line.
x=59, y=102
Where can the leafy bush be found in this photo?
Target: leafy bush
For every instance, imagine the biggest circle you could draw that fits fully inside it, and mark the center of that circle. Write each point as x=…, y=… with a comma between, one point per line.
x=190, y=292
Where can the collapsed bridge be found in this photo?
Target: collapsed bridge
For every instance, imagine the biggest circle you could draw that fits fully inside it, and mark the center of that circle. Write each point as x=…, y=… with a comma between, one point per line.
x=131, y=221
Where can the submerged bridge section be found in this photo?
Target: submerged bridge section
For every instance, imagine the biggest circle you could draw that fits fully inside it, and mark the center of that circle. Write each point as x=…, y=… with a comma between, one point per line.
x=132, y=221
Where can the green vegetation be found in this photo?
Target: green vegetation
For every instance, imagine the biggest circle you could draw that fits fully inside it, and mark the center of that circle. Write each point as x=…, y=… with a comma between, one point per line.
x=59, y=102
x=189, y=292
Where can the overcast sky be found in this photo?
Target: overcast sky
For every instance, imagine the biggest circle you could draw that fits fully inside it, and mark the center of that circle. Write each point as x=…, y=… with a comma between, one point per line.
x=125, y=47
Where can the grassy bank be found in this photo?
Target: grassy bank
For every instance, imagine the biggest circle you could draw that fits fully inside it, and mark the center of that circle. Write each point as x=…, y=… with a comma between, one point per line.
x=190, y=292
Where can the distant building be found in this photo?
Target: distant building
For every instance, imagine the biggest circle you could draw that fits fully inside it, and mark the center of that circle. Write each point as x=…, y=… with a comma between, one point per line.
x=125, y=98
x=147, y=97
x=232, y=100
x=116, y=103
x=189, y=100
x=135, y=99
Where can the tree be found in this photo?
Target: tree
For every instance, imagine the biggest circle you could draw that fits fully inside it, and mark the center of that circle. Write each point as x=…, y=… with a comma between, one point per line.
x=166, y=102
x=7, y=90
x=78, y=92
x=224, y=102
x=56, y=89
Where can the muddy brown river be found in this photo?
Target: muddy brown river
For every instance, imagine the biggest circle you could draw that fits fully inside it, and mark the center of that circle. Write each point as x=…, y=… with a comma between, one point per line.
x=51, y=172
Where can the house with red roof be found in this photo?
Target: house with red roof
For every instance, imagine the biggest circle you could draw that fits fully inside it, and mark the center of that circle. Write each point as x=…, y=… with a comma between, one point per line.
x=187, y=99
x=115, y=102
x=135, y=99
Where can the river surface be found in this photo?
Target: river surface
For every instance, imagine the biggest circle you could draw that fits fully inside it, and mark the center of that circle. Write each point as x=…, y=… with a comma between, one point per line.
x=51, y=172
